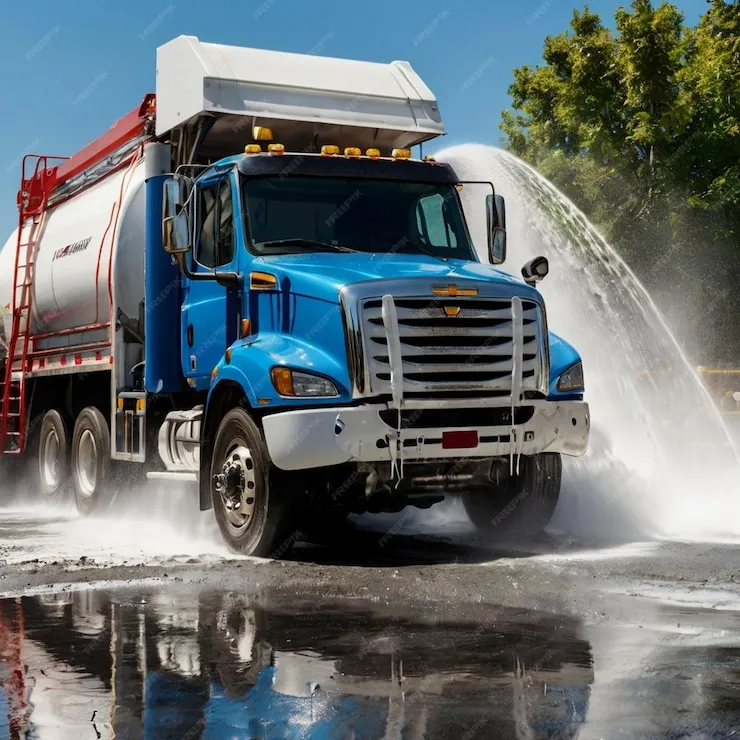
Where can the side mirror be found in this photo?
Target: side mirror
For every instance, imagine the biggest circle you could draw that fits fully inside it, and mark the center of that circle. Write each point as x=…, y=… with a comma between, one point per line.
x=535, y=270
x=175, y=219
x=496, y=212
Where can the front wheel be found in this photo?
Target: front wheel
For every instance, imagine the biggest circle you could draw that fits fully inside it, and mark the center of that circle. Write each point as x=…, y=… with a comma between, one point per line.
x=250, y=499
x=524, y=505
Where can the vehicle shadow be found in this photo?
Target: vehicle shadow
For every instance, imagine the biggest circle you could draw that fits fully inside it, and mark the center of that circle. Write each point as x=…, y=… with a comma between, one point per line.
x=351, y=545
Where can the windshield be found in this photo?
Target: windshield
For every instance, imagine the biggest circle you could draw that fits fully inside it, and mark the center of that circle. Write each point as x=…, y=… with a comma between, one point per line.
x=299, y=214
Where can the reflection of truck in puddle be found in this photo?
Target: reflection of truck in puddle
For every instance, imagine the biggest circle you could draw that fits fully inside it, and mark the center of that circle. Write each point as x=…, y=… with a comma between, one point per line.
x=219, y=666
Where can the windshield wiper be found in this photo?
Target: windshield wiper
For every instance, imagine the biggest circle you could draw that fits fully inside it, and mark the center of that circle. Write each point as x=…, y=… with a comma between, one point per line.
x=298, y=241
x=414, y=247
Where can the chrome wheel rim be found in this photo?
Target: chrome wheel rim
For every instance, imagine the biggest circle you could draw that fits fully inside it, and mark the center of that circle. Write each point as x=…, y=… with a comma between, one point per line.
x=87, y=463
x=235, y=485
x=50, y=460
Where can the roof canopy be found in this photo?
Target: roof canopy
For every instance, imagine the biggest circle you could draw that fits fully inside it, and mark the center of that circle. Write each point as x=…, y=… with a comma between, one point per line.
x=305, y=99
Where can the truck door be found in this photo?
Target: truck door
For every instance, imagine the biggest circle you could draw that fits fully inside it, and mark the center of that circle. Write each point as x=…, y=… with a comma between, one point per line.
x=209, y=311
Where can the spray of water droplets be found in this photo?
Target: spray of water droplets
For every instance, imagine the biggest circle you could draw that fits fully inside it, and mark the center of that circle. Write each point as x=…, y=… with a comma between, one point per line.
x=661, y=461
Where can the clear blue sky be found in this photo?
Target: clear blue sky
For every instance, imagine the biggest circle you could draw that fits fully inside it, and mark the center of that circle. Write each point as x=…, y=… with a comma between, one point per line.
x=72, y=69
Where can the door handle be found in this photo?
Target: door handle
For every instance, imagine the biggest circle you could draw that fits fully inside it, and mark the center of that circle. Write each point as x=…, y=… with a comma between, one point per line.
x=190, y=335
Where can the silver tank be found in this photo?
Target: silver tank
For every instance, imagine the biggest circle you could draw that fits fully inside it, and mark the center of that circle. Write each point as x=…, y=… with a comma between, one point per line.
x=91, y=244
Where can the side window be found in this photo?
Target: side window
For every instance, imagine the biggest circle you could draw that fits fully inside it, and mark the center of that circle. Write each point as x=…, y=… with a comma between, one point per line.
x=205, y=253
x=216, y=239
x=225, y=245
x=430, y=220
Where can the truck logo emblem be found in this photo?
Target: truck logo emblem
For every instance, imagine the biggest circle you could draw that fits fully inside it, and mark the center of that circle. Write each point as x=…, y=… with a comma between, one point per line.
x=453, y=291
x=452, y=310
x=79, y=246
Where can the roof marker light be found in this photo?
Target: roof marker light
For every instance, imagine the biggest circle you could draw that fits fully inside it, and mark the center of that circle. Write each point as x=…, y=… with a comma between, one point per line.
x=277, y=149
x=429, y=158
x=261, y=133
x=401, y=154
x=252, y=149
x=329, y=150
x=373, y=153
x=352, y=151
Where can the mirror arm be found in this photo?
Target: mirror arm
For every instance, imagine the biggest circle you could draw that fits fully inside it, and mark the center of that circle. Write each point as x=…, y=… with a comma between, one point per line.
x=227, y=278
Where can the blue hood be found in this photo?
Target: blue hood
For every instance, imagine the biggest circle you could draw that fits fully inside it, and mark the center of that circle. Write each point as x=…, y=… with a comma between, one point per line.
x=322, y=275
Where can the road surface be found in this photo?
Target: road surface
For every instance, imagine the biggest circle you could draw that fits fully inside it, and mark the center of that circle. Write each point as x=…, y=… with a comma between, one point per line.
x=143, y=626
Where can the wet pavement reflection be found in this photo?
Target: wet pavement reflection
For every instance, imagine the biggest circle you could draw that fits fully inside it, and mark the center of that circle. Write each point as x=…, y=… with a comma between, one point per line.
x=96, y=664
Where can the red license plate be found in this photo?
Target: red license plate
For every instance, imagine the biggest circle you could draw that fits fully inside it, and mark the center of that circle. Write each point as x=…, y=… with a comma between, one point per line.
x=459, y=440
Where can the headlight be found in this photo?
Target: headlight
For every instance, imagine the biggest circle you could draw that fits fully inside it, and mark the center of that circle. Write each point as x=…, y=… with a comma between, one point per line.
x=572, y=378
x=289, y=382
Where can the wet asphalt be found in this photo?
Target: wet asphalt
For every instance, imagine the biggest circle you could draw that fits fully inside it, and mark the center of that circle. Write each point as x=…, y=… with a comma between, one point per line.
x=109, y=631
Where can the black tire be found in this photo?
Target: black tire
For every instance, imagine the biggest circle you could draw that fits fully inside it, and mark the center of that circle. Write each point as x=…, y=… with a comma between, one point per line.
x=524, y=506
x=53, y=458
x=91, y=461
x=263, y=525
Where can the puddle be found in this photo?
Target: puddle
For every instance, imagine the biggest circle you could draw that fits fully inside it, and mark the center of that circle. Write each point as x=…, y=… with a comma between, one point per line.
x=178, y=664
x=103, y=664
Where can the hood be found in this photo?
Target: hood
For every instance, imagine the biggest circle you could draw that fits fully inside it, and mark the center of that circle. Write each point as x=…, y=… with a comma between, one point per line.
x=322, y=274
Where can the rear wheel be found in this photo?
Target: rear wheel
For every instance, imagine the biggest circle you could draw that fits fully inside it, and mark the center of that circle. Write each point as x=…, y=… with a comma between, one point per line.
x=524, y=505
x=250, y=496
x=91, y=461
x=53, y=457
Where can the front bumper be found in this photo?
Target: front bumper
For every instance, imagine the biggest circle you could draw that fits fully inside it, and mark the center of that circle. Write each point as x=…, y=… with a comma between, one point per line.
x=316, y=438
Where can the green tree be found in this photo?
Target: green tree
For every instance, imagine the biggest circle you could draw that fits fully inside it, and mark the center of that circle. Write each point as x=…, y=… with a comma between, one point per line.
x=641, y=128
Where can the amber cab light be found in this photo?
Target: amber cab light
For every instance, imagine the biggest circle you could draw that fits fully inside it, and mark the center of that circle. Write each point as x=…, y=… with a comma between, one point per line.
x=282, y=379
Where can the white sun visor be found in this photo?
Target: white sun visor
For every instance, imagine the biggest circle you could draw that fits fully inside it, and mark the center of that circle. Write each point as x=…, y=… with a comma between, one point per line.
x=308, y=97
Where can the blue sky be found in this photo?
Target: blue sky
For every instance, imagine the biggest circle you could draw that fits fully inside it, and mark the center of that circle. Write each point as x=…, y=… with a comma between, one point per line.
x=72, y=69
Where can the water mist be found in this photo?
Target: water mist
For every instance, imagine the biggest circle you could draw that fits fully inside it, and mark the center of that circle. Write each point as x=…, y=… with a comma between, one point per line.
x=660, y=462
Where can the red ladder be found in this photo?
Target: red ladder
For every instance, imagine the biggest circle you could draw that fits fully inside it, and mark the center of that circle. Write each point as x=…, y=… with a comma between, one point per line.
x=32, y=200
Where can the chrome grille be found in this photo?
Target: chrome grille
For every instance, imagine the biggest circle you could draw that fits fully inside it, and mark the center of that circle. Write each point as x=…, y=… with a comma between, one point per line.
x=469, y=350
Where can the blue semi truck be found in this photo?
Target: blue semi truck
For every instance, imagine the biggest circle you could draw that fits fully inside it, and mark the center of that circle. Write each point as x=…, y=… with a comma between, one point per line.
x=248, y=285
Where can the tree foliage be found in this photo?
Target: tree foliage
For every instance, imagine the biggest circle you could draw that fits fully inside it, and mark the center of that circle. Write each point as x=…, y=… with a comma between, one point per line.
x=641, y=128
